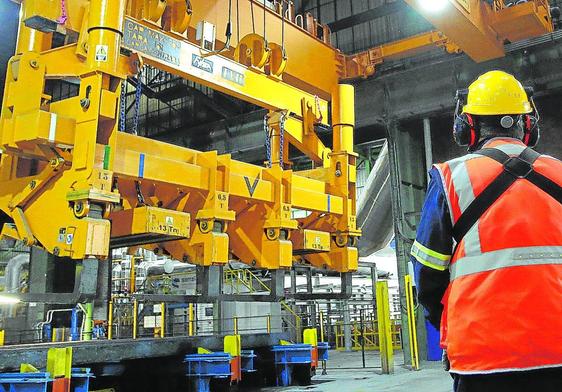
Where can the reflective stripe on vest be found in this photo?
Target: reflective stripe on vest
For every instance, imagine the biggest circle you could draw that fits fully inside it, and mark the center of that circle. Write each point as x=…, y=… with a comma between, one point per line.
x=514, y=257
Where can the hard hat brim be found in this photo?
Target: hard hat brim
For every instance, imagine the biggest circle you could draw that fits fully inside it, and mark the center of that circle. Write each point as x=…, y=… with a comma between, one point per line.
x=491, y=110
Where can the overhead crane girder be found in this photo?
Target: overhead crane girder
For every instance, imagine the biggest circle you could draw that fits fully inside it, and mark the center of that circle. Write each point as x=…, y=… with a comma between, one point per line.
x=480, y=27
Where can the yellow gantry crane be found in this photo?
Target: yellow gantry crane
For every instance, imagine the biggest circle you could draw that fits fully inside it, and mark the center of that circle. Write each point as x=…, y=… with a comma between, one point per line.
x=71, y=183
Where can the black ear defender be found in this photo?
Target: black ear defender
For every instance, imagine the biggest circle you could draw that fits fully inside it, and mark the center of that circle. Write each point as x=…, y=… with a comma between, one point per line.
x=466, y=131
x=531, y=130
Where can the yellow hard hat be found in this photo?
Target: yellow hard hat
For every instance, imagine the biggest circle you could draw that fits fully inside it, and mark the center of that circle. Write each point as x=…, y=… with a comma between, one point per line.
x=495, y=93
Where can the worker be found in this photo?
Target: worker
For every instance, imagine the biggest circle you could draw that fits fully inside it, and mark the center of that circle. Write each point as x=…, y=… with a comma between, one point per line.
x=488, y=252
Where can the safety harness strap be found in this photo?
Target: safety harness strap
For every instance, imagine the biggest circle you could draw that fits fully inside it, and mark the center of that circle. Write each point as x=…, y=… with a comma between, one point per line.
x=514, y=168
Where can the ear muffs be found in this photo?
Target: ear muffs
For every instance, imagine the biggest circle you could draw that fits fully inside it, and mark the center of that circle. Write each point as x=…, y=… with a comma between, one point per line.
x=466, y=131
x=531, y=130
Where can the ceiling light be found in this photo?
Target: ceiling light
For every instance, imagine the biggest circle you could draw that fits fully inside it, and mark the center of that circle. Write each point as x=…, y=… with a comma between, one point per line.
x=433, y=5
x=5, y=300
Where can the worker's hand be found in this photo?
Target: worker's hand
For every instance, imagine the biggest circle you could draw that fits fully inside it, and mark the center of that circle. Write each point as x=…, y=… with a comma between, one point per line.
x=445, y=361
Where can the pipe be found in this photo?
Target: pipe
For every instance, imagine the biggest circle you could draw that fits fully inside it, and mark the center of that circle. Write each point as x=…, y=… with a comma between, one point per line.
x=88, y=322
x=427, y=145
x=74, y=329
x=49, y=320
x=13, y=272
x=374, y=212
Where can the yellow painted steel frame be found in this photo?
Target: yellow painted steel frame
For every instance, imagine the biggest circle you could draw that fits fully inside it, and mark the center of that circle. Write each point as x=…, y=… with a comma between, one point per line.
x=66, y=173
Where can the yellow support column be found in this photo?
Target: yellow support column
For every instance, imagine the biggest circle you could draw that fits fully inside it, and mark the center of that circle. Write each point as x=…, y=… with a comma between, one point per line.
x=343, y=118
x=268, y=321
x=385, y=336
x=1, y=337
x=235, y=322
x=412, y=332
x=104, y=34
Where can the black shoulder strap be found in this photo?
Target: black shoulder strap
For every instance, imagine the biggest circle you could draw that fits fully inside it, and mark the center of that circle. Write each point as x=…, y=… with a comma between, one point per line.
x=514, y=168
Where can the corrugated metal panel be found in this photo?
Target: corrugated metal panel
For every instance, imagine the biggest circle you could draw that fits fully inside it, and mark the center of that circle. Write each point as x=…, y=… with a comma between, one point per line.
x=365, y=35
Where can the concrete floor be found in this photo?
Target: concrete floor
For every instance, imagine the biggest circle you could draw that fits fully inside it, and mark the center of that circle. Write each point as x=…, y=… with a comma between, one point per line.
x=345, y=374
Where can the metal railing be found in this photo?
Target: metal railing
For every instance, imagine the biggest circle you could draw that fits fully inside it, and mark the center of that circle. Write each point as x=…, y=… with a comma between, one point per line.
x=366, y=337
x=240, y=279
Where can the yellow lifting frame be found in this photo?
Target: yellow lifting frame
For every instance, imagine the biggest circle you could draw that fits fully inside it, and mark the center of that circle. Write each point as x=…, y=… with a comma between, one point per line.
x=89, y=169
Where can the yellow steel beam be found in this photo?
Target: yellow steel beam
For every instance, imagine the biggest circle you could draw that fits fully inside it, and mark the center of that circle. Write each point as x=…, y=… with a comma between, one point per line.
x=363, y=64
x=312, y=64
x=180, y=57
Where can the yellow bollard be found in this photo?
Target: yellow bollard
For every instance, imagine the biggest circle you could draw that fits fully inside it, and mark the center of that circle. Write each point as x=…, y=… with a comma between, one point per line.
x=268, y=321
x=414, y=356
x=191, y=326
x=1, y=337
x=133, y=277
x=110, y=320
x=322, y=326
x=383, y=320
x=162, y=320
x=135, y=318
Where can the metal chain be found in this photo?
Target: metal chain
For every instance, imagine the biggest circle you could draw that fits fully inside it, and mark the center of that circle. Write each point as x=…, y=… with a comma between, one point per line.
x=283, y=26
x=237, y=22
x=264, y=30
x=281, y=139
x=138, y=94
x=267, y=141
x=63, y=17
x=123, y=107
x=253, y=18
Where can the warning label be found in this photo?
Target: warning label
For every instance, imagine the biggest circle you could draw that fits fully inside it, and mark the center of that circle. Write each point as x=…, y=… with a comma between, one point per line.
x=101, y=53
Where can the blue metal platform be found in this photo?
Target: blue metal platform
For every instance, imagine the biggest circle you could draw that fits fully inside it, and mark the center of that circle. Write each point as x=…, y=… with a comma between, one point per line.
x=288, y=356
x=201, y=368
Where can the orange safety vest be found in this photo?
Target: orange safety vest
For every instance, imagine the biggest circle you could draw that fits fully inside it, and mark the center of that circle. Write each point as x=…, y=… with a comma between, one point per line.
x=503, y=307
